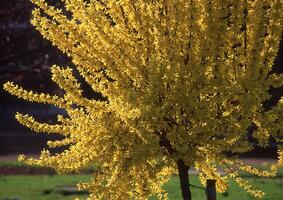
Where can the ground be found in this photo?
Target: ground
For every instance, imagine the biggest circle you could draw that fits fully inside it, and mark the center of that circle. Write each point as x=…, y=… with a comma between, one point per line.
x=19, y=182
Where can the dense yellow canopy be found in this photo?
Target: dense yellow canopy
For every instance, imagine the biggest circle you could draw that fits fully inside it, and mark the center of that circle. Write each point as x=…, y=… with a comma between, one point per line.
x=184, y=80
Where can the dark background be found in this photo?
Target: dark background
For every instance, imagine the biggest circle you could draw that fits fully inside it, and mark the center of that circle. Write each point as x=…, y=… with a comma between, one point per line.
x=25, y=58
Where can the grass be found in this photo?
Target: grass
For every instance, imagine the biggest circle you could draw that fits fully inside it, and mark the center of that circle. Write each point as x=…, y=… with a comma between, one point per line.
x=272, y=187
x=11, y=163
x=37, y=187
x=41, y=187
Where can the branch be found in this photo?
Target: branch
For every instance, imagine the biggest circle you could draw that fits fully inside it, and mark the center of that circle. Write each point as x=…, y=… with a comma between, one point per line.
x=165, y=144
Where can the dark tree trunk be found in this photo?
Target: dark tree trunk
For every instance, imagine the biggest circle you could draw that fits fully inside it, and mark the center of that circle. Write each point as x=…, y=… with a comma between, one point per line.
x=184, y=180
x=210, y=189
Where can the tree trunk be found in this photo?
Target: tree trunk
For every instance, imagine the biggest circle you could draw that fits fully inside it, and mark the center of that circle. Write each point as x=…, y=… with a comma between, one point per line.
x=184, y=180
x=210, y=189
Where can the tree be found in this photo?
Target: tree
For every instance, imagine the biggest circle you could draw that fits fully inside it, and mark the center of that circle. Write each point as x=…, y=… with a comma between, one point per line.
x=183, y=81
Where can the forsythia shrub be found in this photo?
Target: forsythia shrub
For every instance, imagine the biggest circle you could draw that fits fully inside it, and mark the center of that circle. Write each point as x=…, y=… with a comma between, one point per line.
x=183, y=81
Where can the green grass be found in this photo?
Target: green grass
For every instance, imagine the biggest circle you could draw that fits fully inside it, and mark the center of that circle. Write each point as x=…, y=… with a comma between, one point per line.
x=11, y=163
x=42, y=187
x=34, y=187
x=272, y=187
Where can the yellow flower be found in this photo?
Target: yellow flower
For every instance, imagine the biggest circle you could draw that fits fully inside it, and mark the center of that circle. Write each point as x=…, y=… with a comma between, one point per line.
x=182, y=80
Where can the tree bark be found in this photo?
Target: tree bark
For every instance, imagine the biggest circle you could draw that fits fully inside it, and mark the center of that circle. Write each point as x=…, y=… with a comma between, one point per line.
x=183, y=170
x=210, y=189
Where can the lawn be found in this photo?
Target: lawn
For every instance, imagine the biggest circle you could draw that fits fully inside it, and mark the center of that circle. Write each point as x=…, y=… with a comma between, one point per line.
x=47, y=187
x=53, y=187
x=38, y=187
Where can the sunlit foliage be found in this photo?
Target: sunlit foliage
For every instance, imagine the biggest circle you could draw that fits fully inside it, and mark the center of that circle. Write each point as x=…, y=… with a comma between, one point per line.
x=183, y=80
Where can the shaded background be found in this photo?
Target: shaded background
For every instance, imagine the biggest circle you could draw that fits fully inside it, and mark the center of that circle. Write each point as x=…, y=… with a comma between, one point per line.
x=25, y=58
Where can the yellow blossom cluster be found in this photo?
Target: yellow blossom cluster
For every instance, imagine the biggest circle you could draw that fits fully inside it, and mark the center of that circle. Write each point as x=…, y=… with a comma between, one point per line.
x=183, y=81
